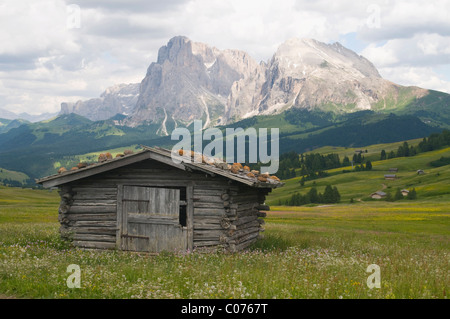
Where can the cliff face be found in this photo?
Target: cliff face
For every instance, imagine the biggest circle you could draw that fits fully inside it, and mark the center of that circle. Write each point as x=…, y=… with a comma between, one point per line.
x=192, y=80
x=305, y=73
x=119, y=99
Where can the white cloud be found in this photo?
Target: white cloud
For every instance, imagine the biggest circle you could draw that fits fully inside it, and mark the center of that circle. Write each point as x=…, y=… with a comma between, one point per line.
x=424, y=77
x=43, y=62
x=421, y=49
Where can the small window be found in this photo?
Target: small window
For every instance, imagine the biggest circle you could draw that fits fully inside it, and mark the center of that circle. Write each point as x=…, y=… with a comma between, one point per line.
x=183, y=207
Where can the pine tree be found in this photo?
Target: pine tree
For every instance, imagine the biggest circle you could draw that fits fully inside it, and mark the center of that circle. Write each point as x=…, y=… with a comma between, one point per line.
x=368, y=165
x=383, y=155
x=412, y=194
x=336, y=195
x=398, y=194
x=313, y=196
x=346, y=161
x=388, y=197
x=328, y=195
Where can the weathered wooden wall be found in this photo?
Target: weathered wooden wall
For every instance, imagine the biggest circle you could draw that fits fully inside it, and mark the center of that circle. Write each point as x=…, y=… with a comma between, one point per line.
x=228, y=216
x=225, y=214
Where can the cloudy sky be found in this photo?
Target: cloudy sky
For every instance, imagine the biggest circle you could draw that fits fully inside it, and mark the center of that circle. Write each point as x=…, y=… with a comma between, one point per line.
x=54, y=51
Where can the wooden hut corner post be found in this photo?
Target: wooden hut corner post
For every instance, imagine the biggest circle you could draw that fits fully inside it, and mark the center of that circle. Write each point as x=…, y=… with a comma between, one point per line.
x=66, y=194
x=190, y=216
x=119, y=217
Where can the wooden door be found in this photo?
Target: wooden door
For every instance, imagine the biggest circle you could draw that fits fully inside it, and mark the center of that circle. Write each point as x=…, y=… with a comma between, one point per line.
x=151, y=220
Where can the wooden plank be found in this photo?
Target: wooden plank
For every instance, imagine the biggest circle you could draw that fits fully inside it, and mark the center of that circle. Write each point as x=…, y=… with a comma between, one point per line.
x=208, y=211
x=201, y=233
x=261, y=214
x=94, y=196
x=93, y=230
x=208, y=243
x=246, y=237
x=92, y=209
x=91, y=217
x=208, y=198
x=246, y=213
x=91, y=237
x=207, y=226
x=87, y=190
x=212, y=205
x=153, y=220
x=93, y=223
x=252, y=224
x=246, y=219
x=93, y=244
x=244, y=245
x=100, y=202
x=263, y=207
x=239, y=233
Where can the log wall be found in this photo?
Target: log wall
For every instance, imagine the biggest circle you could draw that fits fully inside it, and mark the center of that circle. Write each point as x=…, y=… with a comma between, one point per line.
x=225, y=214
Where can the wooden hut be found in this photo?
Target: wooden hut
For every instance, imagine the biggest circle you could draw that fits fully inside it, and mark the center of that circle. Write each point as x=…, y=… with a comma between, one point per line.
x=147, y=202
x=405, y=192
x=378, y=195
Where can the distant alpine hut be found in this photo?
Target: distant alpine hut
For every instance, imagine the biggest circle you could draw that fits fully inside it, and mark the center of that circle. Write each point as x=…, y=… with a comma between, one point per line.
x=404, y=192
x=146, y=202
x=390, y=176
x=420, y=172
x=378, y=195
x=393, y=170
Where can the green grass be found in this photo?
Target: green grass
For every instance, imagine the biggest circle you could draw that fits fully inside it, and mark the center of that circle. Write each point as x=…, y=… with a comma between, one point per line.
x=28, y=205
x=13, y=175
x=359, y=185
x=373, y=151
x=307, y=252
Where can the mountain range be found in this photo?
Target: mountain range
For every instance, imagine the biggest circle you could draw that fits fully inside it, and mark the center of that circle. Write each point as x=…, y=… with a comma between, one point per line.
x=191, y=80
x=8, y=115
x=317, y=94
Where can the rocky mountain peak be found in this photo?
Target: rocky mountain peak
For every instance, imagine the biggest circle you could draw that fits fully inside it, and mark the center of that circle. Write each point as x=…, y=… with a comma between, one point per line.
x=118, y=99
x=189, y=81
x=306, y=56
x=192, y=80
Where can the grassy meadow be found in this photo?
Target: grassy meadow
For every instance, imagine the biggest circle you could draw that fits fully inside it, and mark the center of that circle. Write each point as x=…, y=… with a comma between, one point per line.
x=307, y=252
x=433, y=186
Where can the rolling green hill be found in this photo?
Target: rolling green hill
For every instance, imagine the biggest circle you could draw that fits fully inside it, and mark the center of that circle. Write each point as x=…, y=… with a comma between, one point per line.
x=7, y=125
x=36, y=148
x=434, y=185
x=13, y=178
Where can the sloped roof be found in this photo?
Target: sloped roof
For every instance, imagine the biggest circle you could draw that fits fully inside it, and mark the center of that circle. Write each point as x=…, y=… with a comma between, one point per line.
x=160, y=155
